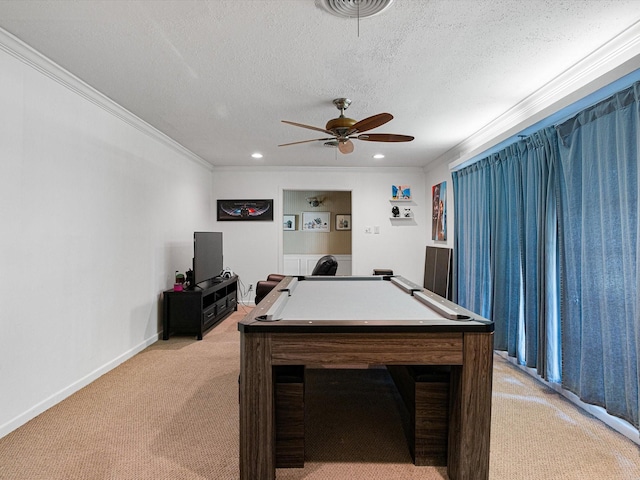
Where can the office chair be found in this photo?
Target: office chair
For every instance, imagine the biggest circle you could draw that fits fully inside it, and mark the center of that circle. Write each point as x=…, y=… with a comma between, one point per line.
x=326, y=266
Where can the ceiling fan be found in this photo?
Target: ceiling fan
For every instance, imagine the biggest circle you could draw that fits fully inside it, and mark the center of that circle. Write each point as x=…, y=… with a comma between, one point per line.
x=343, y=129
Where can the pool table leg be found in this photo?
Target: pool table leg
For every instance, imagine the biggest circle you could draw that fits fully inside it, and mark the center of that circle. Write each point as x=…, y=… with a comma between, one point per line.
x=470, y=410
x=257, y=415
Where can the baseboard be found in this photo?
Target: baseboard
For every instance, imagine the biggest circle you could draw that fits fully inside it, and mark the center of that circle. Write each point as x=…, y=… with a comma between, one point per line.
x=66, y=392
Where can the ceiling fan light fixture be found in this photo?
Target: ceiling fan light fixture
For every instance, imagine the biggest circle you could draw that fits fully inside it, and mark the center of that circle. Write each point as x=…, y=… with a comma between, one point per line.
x=354, y=8
x=314, y=201
x=345, y=129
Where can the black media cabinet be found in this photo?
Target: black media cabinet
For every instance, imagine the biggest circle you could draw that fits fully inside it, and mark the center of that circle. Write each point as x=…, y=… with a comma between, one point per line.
x=193, y=311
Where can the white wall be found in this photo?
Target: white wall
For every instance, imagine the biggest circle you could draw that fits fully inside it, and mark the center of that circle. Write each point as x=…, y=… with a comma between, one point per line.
x=97, y=212
x=254, y=249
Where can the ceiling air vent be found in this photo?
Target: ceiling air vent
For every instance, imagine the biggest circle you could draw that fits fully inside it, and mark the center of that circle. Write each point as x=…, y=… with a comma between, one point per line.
x=354, y=8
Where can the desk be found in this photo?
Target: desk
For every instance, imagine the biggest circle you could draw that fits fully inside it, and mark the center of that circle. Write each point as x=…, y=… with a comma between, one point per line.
x=325, y=321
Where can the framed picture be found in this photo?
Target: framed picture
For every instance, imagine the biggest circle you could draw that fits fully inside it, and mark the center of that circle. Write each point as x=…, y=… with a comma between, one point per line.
x=439, y=216
x=289, y=222
x=244, y=210
x=316, y=221
x=343, y=222
x=400, y=192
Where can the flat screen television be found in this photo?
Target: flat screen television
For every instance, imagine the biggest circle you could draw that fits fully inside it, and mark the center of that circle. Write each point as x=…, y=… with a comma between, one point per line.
x=207, y=256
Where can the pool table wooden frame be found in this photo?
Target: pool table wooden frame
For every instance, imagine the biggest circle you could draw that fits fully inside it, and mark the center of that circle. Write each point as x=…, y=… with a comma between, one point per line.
x=267, y=344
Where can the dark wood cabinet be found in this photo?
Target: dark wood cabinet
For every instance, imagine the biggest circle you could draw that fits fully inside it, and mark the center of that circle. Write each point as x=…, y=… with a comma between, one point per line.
x=194, y=311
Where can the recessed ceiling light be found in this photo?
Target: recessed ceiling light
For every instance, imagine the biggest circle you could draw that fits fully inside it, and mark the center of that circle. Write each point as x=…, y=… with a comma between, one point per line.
x=378, y=156
x=256, y=155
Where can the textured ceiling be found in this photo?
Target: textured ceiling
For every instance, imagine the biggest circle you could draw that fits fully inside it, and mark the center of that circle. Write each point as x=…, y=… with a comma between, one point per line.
x=217, y=76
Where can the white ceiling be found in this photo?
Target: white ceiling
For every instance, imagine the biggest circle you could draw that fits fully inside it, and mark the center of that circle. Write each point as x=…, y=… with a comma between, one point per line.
x=217, y=76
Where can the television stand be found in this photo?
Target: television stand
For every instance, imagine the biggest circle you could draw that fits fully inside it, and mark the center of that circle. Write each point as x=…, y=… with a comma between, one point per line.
x=194, y=311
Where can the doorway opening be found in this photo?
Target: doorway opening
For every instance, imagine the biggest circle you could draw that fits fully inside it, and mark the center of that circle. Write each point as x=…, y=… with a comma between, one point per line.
x=315, y=223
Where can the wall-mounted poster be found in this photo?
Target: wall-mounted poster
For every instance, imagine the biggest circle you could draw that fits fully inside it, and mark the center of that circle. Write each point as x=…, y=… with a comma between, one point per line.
x=289, y=222
x=316, y=221
x=400, y=192
x=439, y=217
x=245, y=210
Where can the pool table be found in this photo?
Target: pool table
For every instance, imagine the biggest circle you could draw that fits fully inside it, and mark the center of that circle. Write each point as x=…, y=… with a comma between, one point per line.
x=376, y=320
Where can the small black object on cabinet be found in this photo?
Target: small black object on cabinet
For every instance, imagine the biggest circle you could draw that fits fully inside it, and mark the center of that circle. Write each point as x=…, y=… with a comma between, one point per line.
x=194, y=311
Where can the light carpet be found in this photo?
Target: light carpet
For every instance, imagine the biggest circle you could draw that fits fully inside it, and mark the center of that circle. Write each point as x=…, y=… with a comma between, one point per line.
x=171, y=412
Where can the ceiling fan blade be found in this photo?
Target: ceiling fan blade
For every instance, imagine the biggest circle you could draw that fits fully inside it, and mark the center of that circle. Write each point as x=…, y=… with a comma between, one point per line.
x=370, y=123
x=317, y=129
x=384, y=137
x=345, y=147
x=306, y=141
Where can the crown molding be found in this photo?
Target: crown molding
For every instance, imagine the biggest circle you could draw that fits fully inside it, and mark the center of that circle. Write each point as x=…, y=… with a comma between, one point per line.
x=34, y=59
x=613, y=60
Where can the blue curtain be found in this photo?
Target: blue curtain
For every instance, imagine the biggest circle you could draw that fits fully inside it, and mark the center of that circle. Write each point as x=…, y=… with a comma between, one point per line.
x=539, y=254
x=472, y=194
x=502, y=207
x=506, y=261
x=546, y=241
x=598, y=180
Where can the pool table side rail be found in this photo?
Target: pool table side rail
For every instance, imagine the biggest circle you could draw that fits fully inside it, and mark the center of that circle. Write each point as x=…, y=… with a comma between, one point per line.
x=252, y=322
